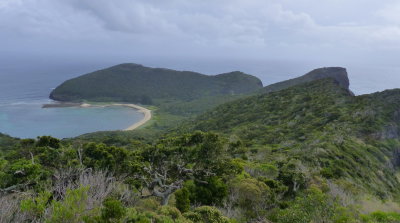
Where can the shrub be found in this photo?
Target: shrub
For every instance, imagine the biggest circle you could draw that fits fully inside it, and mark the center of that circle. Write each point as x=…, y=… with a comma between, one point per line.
x=72, y=209
x=36, y=206
x=253, y=197
x=381, y=217
x=206, y=214
x=182, y=200
x=171, y=212
x=112, y=210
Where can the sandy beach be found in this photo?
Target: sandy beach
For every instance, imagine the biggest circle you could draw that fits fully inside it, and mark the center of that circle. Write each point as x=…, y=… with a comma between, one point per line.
x=145, y=111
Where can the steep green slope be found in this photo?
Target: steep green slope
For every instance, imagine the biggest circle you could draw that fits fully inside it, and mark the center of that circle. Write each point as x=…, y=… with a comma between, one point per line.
x=337, y=73
x=310, y=153
x=352, y=141
x=138, y=84
x=165, y=117
x=170, y=113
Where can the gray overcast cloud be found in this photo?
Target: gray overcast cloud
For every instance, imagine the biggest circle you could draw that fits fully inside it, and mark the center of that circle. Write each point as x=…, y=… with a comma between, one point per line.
x=363, y=35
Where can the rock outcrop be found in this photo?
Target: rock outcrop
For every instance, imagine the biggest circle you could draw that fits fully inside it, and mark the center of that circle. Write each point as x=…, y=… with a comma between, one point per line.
x=337, y=73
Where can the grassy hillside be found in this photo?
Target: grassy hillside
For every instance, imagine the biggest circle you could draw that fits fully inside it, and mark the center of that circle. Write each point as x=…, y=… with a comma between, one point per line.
x=166, y=116
x=170, y=113
x=312, y=143
x=309, y=153
x=351, y=141
x=138, y=84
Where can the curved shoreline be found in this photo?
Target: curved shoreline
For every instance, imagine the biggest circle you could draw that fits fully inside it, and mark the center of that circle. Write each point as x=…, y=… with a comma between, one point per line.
x=146, y=112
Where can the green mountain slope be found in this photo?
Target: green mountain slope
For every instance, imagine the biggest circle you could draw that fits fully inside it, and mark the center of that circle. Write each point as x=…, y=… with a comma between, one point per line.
x=337, y=73
x=312, y=152
x=138, y=84
x=170, y=113
x=353, y=141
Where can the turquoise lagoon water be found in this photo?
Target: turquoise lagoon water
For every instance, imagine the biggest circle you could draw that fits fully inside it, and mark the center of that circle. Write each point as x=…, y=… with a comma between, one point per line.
x=29, y=120
x=22, y=94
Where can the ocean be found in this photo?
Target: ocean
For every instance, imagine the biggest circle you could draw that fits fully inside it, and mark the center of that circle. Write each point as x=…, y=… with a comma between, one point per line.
x=23, y=92
x=25, y=85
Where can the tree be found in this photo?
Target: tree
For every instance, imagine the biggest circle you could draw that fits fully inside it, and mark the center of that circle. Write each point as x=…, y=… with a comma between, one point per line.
x=174, y=160
x=210, y=193
x=48, y=141
x=314, y=206
x=292, y=176
x=251, y=196
x=21, y=174
x=112, y=211
x=101, y=156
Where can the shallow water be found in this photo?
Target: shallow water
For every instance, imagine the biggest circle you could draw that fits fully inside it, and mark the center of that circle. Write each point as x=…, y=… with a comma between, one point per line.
x=22, y=94
x=29, y=120
x=26, y=84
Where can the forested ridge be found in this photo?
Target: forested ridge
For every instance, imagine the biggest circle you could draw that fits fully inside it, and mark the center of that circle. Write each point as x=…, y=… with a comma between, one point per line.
x=311, y=152
x=321, y=125
x=139, y=84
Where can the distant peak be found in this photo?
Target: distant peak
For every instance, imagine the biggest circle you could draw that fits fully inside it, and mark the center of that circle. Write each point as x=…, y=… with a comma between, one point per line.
x=331, y=69
x=232, y=73
x=127, y=65
x=339, y=74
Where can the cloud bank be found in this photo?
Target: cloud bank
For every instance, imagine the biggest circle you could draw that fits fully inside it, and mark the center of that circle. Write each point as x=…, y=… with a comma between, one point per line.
x=219, y=23
x=329, y=31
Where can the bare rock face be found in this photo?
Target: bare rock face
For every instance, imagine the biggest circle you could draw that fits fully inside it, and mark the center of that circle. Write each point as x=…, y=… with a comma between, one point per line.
x=337, y=73
x=390, y=130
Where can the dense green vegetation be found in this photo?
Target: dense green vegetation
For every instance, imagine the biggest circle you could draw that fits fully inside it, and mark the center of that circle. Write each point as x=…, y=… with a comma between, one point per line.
x=190, y=178
x=164, y=117
x=62, y=182
x=323, y=128
x=174, y=95
x=309, y=153
x=169, y=113
x=138, y=84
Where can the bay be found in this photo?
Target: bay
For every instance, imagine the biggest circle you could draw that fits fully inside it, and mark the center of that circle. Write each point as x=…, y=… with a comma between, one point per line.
x=23, y=92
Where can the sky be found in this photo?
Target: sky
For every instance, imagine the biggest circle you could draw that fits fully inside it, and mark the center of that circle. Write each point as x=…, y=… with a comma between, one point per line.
x=272, y=39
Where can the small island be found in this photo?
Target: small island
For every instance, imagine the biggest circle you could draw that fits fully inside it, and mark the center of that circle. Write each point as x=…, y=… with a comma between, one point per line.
x=132, y=85
x=138, y=84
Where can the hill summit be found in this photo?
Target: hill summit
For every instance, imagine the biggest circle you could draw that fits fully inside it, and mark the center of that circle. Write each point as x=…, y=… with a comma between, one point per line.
x=139, y=84
x=339, y=74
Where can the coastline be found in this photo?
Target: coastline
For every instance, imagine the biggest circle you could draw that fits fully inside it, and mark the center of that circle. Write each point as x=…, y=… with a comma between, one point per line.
x=146, y=112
